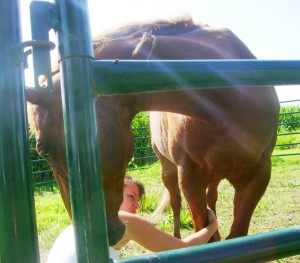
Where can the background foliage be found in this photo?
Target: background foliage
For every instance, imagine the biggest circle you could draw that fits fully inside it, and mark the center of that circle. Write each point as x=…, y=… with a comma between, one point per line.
x=288, y=138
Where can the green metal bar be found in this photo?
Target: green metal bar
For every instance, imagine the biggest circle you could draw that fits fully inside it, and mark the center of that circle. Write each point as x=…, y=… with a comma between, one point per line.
x=18, y=232
x=81, y=133
x=289, y=113
x=288, y=101
x=287, y=144
x=287, y=123
x=42, y=20
x=132, y=76
x=257, y=248
x=286, y=154
x=288, y=133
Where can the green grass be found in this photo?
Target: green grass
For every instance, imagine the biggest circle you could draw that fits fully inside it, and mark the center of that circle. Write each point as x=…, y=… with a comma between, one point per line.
x=52, y=218
x=278, y=209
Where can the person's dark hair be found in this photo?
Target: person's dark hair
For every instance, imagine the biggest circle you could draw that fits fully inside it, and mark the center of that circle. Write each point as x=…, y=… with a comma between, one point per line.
x=129, y=180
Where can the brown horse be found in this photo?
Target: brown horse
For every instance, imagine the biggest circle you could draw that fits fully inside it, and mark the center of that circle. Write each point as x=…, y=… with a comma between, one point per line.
x=241, y=124
x=196, y=155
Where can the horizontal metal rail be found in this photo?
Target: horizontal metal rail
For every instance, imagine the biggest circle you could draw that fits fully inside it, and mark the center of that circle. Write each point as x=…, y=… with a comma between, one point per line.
x=132, y=76
x=288, y=133
x=288, y=144
x=46, y=183
x=257, y=248
x=286, y=123
x=42, y=172
x=289, y=113
x=285, y=154
x=288, y=101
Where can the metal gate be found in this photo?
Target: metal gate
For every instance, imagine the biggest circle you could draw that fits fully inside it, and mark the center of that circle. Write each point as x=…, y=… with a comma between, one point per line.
x=18, y=236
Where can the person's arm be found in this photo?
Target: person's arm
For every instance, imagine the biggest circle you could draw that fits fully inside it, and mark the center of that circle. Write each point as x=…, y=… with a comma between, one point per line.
x=153, y=239
x=204, y=234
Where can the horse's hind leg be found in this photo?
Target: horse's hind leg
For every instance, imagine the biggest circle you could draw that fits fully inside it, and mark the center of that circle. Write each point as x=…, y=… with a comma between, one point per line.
x=170, y=179
x=247, y=196
x=212, y=197
x=194, y=190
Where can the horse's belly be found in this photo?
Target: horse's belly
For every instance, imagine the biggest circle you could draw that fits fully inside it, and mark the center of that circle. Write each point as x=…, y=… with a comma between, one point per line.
x=214, y=152
x=160, y=133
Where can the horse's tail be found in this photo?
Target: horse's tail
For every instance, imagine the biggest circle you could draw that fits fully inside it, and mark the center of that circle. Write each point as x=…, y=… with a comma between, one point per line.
x=164, y=202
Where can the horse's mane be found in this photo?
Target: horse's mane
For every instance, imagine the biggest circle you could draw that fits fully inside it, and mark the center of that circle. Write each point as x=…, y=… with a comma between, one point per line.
x=175, y=26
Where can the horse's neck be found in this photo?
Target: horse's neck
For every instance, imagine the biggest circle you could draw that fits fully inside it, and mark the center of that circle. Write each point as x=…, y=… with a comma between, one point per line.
x=197, y=44
x=194, y=103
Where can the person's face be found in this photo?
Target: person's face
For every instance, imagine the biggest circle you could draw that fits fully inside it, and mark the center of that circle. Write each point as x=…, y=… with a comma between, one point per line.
x=131, y=198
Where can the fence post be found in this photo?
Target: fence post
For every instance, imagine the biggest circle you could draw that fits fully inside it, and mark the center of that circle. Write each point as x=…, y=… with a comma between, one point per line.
x=81, y=132
x=18, y=233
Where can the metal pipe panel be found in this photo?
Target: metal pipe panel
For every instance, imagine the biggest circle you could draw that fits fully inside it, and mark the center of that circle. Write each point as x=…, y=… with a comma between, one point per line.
x=135, y=76
x=257, y=248
x=18, y=232
x=81, y=132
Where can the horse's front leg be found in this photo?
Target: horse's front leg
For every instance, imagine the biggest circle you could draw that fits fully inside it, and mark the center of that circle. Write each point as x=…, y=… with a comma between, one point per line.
x=169, y=177
x=116, y=147
x=212, y=197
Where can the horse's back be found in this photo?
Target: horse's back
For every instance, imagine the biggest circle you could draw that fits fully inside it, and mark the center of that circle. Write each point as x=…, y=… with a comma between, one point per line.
x=179, y=39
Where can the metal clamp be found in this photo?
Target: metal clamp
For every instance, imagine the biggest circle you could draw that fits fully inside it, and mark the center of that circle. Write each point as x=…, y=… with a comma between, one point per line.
x=23, y=58
x=42, y=17
x=23, y=55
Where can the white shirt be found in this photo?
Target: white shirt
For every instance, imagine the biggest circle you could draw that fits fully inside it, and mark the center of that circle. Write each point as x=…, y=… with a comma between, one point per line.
x=63, y=250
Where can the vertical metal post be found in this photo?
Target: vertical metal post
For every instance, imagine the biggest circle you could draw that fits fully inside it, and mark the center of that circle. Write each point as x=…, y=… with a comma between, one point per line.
x=18, y=233
x=87, y=198
x=41, y=15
